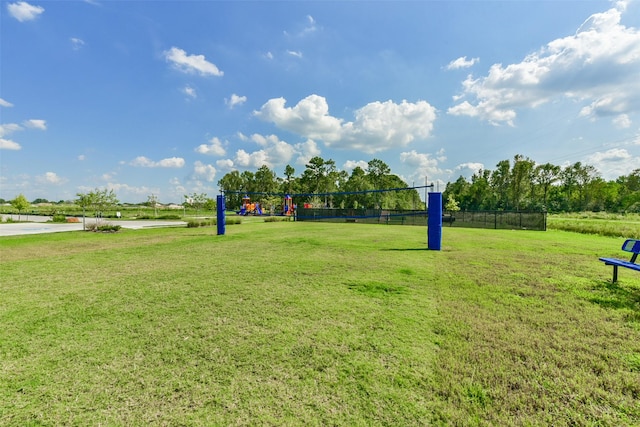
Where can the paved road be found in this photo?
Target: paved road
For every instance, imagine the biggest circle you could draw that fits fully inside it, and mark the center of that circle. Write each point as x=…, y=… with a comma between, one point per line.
x=39, y=224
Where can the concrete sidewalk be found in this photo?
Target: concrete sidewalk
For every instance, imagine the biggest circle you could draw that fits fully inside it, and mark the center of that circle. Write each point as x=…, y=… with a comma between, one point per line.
x=39, y=224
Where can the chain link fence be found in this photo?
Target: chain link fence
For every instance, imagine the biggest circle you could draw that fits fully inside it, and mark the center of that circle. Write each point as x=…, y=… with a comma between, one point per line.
x=476, y=219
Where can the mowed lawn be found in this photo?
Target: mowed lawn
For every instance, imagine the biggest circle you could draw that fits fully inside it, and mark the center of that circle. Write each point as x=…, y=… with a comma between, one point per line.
x=317, y=324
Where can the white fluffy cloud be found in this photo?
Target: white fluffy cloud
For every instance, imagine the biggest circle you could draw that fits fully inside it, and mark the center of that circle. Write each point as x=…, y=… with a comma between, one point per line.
x=127, y=189
x=204, y=172
x=377, y=126
x=7, y=144
x=23, y=11
x=613, y=163
x=306, y=151
x=350, y=165
x=274, y=152
x=4, y=103
x=462, y=62
x=216, y=148
x=622, y=121
x=51, y=178
x=235, y=100
x=468, y=169
x=191, y=63
x=172, y=162
x=599, y=65
x=36, y=124
x=9, y=128
x=423, y=164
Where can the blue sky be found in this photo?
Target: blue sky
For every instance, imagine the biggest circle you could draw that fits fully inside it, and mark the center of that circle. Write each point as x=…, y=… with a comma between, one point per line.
x=166, y=97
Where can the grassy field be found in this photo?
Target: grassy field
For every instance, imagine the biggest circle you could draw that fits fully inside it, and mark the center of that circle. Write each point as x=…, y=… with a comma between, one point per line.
x=317, y=324
x=602, y=223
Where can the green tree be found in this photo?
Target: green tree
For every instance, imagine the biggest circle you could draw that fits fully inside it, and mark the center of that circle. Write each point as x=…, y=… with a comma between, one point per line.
x=266, y=180
x=545, y=176
x=500, y=183
x=520, y=180
x=358, y=181
x=195, y=201
x=20, y=203
x=289, y=172
x=451, y=205
x=152, y=202
x=479, y=195
x=629, y=199
x=459, y=190
x=96, y=200
x=231, y=185
x=377, y=171
x=320, y=176
x=210, y=204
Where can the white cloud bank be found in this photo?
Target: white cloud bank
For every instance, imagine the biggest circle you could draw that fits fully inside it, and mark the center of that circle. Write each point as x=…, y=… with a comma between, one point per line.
x=613, y=163
x=23, y=11
x=378, y=126
x=191, y=63
x=599, y=65
x=172, y=162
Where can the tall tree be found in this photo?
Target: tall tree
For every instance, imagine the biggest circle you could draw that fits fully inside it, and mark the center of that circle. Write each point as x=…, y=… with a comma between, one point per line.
x=520, y=180
x=377, y=170
x=357, y=182
x=266, y=180
x=289, y=172
x=20, y=203
x=545, y=176
x=231, y=185
x=630, y=191
x=500, y=182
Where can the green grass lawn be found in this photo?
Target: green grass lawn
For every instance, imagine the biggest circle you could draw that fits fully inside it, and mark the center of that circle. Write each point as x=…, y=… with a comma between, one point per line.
x=317, y=324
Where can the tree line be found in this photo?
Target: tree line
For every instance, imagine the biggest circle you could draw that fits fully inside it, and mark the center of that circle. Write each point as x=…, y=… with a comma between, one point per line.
x=522, y=184
x=320, y=178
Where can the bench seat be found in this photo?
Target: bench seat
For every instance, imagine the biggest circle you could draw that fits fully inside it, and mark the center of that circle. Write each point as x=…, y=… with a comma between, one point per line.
x=621, y=263
x=630, y=245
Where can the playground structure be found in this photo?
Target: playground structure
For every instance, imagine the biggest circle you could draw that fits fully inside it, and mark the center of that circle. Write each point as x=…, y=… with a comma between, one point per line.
x=289, y=208
x=249, y=208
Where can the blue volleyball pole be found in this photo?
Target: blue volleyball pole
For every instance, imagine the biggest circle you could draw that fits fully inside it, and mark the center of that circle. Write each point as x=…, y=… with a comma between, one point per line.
x=434, y=222
x=221, y=220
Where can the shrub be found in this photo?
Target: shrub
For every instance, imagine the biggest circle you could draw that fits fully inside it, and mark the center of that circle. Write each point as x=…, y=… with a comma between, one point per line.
x=277, y=218
x=59, y=218
x=109, y=228
x=200, y=223
x=104, y=228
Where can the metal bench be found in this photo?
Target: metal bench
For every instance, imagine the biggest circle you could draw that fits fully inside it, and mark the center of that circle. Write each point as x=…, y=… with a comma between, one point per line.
x=630, y=245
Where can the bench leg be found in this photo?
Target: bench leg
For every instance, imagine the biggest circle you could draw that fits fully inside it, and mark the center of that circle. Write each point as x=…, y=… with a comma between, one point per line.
x=615, y=273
